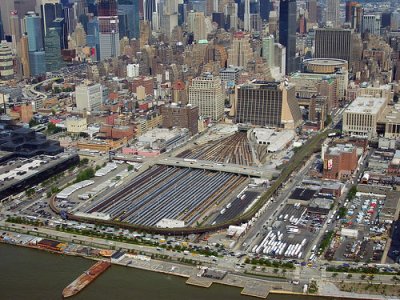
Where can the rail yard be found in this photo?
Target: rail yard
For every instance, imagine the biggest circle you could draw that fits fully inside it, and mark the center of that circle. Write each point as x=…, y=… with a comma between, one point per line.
x=234, y=149
x=164, y=192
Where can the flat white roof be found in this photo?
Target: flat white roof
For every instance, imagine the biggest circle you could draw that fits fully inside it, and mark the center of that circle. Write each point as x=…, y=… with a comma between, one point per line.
x=367, y=105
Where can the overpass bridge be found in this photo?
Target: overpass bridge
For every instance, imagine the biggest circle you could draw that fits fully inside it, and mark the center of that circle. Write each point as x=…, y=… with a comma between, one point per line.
x=222, y=167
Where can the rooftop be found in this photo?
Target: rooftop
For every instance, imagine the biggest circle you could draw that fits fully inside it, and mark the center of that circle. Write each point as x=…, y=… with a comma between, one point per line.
x=367, y=105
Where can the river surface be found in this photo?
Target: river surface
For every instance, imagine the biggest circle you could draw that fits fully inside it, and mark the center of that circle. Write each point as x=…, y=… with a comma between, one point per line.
x=34, y=274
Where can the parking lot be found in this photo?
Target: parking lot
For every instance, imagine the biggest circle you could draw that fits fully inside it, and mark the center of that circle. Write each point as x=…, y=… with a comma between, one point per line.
x=291, y=235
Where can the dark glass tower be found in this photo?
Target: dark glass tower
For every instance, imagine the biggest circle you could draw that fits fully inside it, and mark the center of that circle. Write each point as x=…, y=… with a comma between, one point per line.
x=53, y=50
x=287, y=32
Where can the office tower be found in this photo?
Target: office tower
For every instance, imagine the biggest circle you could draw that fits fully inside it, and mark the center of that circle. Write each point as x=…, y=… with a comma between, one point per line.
x=131, y=9
x=108, y=29
x=88, y=96
x=350, y=5
x=196, y=24
x=332, y=13
x=206, y=93
x=287, y=32
x=273, y=22
x=240, y=52
x=37, y=63
x=219, y=18
x=79, y=36
x=386, y=19
x=53, y=50
x=268, y=52
x=265, y=103
x=354, y=13
x=246, y=17
x=6, y=62
x=312, y=11
x=93, y=37
x=5, y=8
x=26, y=70
x=371, y=24
x=231, y=13
x=149, y=6
x=59, y=25
x=265, y=8
x=70, y=17
x=33, y=28
x=169, y=21
x=333, y=43
x=15, y=26
x=49, y=11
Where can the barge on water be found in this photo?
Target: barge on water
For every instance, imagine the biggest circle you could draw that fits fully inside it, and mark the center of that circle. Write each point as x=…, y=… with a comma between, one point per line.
x=85, y=279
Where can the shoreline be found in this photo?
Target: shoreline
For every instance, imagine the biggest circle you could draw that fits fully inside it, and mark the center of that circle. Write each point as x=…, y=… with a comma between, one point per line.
x=198, y=281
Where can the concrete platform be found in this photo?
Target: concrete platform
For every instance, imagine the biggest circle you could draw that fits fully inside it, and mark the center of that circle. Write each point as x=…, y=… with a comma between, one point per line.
x=199, y=281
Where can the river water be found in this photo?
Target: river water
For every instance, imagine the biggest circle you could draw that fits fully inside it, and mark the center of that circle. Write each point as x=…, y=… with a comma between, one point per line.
x=34, y=274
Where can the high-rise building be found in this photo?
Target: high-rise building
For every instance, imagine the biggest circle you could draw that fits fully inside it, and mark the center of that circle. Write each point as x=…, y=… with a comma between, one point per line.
x=131, y=9
x=149, y=6
x=108, y=29
x=268, y=50
x=88, y=96
x=5, y=8
x=196, y=24
x=37, y=62
x=26, y=70
x=6, y=62
x=312, y=11
x=180, y=116
x=265, y=8
x=240, y=52
x=49, y=11
x=332, y=13
x=371, y=24
x=333, y=43
x=59, y=25
x=349, y=11
x=287, y=32
x=206, y=92
x=15, y=27
x=53, y=50
x=33, y=28
x=263, y=103
x=246, y=18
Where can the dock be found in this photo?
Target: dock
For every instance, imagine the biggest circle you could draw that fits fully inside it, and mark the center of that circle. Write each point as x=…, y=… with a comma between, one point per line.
x=86, y=278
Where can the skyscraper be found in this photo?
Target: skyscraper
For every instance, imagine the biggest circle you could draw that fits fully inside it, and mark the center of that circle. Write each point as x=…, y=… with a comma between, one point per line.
x=268, y=50
x=131, y=9
x=206, y=93
x=240, y=52
x=49, y=11
x=287, y=32
x=371, y=24
x=33, y=28
x=246, y=18
x=332, y=12
x=312, y=11
x=265, y=8
x=53, y=50
x=268, y=104
x=108, y=29
x=196, y=24
x=333, y=43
